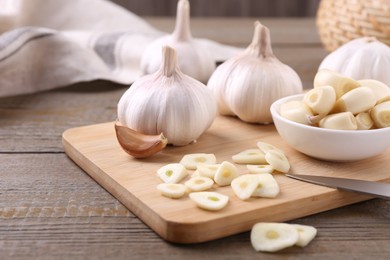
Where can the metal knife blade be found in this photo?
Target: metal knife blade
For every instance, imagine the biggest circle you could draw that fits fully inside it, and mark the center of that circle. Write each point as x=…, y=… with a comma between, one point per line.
x=377, y=189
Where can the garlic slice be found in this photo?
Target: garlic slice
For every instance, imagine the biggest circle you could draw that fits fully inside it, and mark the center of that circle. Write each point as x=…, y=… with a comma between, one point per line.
x=172, y=190
x=191, y=161
x=225, y=174
x=305, y=234
x=199, y=183
x=244, y=186
x=267, y=186
x=249, y=156
x=266, y=147
x=139, y=145
x=271, y=237
x=207, y=170
x=209, y=200
x=172, y=173
x=262, y=168
x=278, y=160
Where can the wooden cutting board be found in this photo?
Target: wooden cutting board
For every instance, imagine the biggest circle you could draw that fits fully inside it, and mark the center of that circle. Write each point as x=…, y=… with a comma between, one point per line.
x=133, y=181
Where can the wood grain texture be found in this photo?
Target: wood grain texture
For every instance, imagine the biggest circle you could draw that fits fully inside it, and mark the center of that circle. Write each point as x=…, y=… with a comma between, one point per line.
x=95, y=149
x=51, y=209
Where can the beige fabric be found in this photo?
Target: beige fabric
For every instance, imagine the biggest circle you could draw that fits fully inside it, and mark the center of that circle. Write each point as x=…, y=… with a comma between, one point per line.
x=46, y=44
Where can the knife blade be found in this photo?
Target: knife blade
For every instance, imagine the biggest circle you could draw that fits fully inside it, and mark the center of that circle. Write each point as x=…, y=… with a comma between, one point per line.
x=377, y=189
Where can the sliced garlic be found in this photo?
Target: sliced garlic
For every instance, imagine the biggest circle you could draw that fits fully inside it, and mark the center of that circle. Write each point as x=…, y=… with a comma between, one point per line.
x=262, y=168
x=355, y=101
x=265, y=147
x=172, y=190
x=225, y=174
x=267, y=186
x=339, y=121
x=340, y=83
x=296, y=111
x=244, y=186
x=305, y=234
x=380, y=114
x=139, y=145
x=191, y=161
x=172, y=173
x=199, y=183
x=249, y=156
x=364, y=121
x=207, y=170
x=209, y=200
x=321, y=99
x=277, y=160
x=271, y=237
x=380, y=89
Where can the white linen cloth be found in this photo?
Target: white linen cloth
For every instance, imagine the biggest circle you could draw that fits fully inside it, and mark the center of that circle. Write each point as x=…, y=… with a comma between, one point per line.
x=46, y=44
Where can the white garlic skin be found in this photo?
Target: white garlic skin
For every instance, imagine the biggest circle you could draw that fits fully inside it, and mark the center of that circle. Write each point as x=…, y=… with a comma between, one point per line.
x=176, y=105
x=247, y=85
x=362, y=58
x=194, y=59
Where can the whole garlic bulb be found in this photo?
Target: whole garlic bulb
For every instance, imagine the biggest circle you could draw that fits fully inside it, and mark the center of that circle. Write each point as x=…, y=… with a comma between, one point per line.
x=194, y=58
x=168, y=102
x=362, y=58
x=247, y=84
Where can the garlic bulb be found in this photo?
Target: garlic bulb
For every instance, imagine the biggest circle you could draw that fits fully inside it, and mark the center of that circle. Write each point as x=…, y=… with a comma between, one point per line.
x=168, y=102
x=247, y=84
x=362, y=58
x=194, y=58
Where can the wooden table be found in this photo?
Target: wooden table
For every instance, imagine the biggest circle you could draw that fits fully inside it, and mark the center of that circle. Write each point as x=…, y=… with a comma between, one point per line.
x=51, y=209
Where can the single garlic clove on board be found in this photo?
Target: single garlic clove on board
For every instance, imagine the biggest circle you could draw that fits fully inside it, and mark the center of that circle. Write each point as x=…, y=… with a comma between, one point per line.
x=137, y=144
x=340, y=83
x=339, y=121
x=380, y=114
x=355, y=101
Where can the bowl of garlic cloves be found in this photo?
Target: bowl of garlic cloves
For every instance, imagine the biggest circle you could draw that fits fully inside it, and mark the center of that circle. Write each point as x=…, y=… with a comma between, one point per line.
x=340, y=119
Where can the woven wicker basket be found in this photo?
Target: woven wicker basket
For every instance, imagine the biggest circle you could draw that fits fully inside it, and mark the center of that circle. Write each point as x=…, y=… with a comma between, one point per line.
x=339, y=21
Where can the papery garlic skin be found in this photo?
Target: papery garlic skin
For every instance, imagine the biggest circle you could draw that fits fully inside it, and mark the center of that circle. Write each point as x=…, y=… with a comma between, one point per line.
x=247, y=84
x=362, y=58
x=168, y=102
x=194, y=59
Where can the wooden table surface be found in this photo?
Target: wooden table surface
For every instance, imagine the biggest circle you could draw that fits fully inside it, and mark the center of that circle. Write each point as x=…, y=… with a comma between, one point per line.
x=51, y=209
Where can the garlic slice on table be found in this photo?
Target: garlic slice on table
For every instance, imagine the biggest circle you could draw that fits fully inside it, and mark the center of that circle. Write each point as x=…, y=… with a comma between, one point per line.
x=172, y=190
x=168, y=102
x=194, y=59
x=172, y=173
x=247, y=84
x=271, y=237
x=362, y=58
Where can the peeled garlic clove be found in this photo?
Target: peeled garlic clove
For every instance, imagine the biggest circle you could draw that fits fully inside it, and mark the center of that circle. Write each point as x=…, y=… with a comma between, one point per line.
x=191, y=161
x=247, y=84
x=225, y=174
x=296, y=111
x=380, y=114
x=364, y=121
x=355, y=101
x=271, y=237
x=339, y=121
x=340, y=83
x=172, y=190
x=172, y=173
x=267, y=186
x=244, y=186
x=277, y=160
x=195, y=60
x=320, y=99
x=168, y=102
x=263, y=168
x=139, y=145
x=207, y=170
x=199, y=183
x=209, y=200
x=305, y=234
x=249, y=156
x=380, y=89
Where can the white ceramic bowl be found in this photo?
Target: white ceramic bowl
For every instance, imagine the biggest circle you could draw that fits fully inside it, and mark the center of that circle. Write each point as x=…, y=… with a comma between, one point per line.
x=329, y=144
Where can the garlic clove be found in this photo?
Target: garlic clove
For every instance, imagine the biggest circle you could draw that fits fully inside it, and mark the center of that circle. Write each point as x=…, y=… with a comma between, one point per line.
x=296, y=111
x=137, y=144
x=380, y=114
x=356, y=101
x=321, y=99
x=364, y=121
x=380, y=89
x=339, y=121
x=340, y=83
